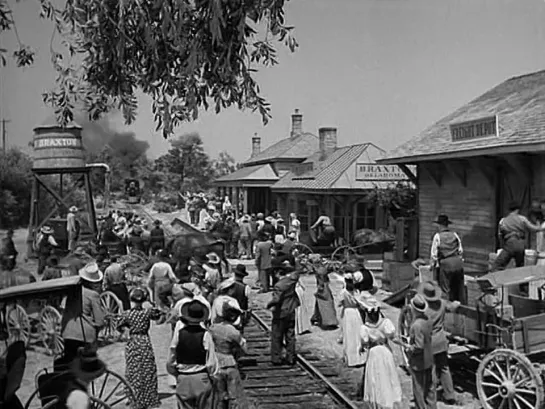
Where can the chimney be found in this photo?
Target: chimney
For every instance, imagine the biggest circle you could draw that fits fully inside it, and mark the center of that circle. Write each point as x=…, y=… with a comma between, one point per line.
x=296, y=123
x=327, y=141
x=256, y=145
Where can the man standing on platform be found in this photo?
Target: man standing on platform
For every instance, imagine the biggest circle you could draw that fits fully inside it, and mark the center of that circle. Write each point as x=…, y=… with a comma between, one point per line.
x=512, y=231
x=263, y=258
x=72, y=228
x=446, y=256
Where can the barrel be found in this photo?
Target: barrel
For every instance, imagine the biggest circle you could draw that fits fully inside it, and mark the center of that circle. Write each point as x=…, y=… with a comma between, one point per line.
x=530, y=257
x=57, y=147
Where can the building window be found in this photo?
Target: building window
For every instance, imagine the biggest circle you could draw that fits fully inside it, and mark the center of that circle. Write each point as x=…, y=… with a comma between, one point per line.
x=481, y=128
x=365, y=216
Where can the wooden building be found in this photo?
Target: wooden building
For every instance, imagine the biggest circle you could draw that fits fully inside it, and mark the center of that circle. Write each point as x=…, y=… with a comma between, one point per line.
x=473, y=162
x=339, y=181
x=251, y=185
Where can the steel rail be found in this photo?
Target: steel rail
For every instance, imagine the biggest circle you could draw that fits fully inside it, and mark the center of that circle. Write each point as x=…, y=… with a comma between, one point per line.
x=307, y=366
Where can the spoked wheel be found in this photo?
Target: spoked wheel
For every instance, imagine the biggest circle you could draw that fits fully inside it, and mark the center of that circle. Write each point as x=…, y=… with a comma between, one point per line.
x=343, y=254
x=50, y=330
x=18, y=324
x=112, y=389
x=112, y=307
x=506, y=379
x=404, y=324
x=302, y=249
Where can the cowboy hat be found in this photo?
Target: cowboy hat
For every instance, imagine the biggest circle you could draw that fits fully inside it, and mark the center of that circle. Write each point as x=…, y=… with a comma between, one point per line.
x=240, y=270
x=87, y=366
x=269, y=219
x=46, y=230
x=443, y=220
x=225, y=284
x=91, y=272
x=418, y=303
x=138, y=295
x=213, y=258
x=73, y=209
x=430, y=291
x=194, y=312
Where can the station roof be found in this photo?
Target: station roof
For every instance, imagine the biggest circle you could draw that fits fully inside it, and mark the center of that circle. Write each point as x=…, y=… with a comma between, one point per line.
x=518, y=103
x=256, y=173
x=334, y=172
x=293, y=148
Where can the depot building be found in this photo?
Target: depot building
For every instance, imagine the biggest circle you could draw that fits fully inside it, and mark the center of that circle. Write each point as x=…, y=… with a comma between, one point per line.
x=308, y=174
x=476, y=160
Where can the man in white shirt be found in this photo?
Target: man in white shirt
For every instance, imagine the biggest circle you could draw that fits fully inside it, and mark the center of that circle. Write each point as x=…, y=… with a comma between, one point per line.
x=72, y=228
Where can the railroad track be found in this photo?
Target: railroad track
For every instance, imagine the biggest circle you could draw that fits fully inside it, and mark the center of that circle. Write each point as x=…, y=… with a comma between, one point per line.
x=309, y=384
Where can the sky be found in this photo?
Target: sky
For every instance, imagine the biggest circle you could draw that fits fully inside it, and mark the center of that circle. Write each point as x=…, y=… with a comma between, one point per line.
x=379, y=71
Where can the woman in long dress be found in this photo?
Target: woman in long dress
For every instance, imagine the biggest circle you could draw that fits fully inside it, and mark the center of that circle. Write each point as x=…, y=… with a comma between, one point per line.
x=140, y=367
x=302, y=313
x=351, y=322
x=381, y=385
x=325, y=315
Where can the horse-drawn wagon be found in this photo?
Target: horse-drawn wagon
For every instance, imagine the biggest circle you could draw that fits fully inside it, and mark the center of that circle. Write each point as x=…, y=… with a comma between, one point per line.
x=107, y=391
x=502, y=325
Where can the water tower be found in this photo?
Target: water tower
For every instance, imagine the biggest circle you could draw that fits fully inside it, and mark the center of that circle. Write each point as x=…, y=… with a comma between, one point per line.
x=59, y=171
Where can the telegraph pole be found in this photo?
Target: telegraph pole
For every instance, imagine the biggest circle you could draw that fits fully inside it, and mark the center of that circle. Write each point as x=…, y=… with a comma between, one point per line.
x=4, y=134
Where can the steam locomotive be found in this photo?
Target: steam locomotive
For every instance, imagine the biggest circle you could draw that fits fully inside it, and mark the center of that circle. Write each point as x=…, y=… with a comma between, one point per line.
x=133, y=191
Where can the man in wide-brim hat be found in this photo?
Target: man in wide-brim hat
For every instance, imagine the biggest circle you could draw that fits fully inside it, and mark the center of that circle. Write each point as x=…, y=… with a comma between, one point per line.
x=192, y=357
x=45, y=243
x=85, y=369
x=225, y=296
x=436, y=311
x=446, y=258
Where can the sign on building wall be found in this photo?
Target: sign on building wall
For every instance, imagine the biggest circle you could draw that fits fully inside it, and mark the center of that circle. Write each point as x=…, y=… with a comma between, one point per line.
x=375, y=172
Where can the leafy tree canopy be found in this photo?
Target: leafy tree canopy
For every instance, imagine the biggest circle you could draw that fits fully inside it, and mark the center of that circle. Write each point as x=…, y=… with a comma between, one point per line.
x=187, y=55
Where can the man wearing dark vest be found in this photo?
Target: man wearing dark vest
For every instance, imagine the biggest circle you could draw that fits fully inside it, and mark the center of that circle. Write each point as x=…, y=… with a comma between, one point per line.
x=512, y=231
x=446, y=257
x=192, y=357
x=241, y=292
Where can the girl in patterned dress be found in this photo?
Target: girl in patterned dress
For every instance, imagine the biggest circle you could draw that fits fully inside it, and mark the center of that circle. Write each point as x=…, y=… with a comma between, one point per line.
x=140, y=367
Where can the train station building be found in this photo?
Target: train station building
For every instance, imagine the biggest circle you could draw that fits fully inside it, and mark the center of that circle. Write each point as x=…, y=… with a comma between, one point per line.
x=308, y=174
x=476, y=160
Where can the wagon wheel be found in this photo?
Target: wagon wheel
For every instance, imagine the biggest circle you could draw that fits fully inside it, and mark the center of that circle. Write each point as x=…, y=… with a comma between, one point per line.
x=302, y=248
x=343, y=254
x=507, y=379
x=50, y=330
x=404, y=323
x=112, y=307
x=112, y=389
x=18, y=324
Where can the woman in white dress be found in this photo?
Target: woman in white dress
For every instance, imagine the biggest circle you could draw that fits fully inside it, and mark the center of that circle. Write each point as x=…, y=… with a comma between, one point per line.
x=303, y=312
x=351, y=322
x=381, y=385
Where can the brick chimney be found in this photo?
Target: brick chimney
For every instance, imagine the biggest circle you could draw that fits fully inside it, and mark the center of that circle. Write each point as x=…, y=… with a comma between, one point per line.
x=327, y=141
x=256, y=145
x=296, y=123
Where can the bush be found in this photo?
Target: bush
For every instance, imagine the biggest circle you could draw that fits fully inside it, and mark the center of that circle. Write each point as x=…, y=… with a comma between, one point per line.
x=15, y=187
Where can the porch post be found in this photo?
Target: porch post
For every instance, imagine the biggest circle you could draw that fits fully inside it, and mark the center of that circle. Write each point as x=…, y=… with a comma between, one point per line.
x=237, y=202
x=245, y=199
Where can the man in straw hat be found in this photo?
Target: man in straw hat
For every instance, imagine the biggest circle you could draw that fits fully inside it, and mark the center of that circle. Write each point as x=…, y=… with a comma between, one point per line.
x=446, y=257
x=419, y=350
x=80, y=330
x=284, y=303
x=225, y=296
x=72, y=229
x=437, y=309
x=45, y=243
x=192, y=357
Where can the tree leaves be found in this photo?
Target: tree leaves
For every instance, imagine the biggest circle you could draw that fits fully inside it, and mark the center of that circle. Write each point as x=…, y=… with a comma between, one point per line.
x=188, y=55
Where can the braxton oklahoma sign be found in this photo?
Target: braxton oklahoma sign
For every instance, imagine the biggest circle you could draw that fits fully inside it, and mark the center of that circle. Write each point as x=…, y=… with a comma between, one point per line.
x=372, y=171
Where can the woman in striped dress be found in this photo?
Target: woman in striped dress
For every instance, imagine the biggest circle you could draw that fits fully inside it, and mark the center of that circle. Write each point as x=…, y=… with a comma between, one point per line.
x=140, y=367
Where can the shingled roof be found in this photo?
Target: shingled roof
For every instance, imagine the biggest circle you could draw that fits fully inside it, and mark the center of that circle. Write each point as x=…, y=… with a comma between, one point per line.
x=518, y=103
x=329, y=173
x=296, y=147
x=249, y=174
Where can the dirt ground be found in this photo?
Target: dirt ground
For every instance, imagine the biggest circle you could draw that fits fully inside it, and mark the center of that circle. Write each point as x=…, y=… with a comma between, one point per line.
x=322, y=343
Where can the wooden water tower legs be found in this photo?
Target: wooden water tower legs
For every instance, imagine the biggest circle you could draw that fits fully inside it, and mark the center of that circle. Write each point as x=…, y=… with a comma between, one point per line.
x=33, y=218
